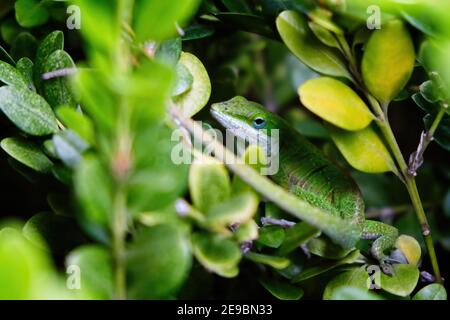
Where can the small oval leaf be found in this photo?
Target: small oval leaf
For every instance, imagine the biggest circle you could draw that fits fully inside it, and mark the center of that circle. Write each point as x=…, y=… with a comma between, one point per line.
x=11, y=76
x=402, y=281
x=28, y=110
x=410, y=248
x=434, y=291
x=27, y=153
x=193, y=100
x=363, y=150
x=238, y=209
x=336, y=103
x=295, y=33
x=388, y=61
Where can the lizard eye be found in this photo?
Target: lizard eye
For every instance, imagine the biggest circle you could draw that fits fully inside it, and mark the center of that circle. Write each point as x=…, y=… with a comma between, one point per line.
x=259, y=123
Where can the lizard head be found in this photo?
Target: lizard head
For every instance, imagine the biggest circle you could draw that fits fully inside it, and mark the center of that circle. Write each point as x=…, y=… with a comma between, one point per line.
x=245, y=119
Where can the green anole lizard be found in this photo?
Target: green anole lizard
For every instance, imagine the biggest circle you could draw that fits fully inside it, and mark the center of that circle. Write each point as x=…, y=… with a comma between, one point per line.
x=308, y=185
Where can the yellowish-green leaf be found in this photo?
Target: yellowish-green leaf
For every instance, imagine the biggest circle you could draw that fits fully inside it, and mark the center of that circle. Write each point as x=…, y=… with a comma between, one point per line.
x=272, y=261
x=238, y=209
x=209, y=184
x=194, y=99
x=388, y=60
x=410, y=248
x=293, y=29
x=434, y=291
x=363, y=150
x=402, y=281
x=336, y=103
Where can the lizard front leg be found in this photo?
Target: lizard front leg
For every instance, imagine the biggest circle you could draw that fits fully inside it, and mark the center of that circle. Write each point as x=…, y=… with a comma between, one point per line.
x=384, y=237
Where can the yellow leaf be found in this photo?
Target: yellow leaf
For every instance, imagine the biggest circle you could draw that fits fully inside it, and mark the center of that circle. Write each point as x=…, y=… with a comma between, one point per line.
x=336, y=103
x=410, y=248
x=363, y=150
x=388, y=60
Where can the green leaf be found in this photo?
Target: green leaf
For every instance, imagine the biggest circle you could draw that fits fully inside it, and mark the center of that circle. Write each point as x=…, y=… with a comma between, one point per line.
x=11, y=76
x=356, y=277
x=297, y=236
x=169, y=51
x=336, y=103
x=159, y=259
x=94, y=191
x=148, y=24
x=325, y=267
x=363, y=150
x=27, y=153
x=192, y=101
x=52, y=42
x=271, y=236
x=324, y=35
x=95, y=264
x=25, y=67
x=28, y=111
x=442, y=133
x=217, y=254
x=246, y=22
x=209, y=184
x=434, y=291
x=237, y=6
x=353, y=293
x=272, y=261
x=77, y=122
x=237, y=209
x=301, y=41
x=247, y=231
x=57, y=90
x=24, y=45
x=430, y=92
x=388, y=61
x=69, y=147
x=424, y=104
x=197, y=31
x=281, y=290
x=52, y=232
x=184, y=80
x=31, y=13
x=403, y=280
x=325, y=248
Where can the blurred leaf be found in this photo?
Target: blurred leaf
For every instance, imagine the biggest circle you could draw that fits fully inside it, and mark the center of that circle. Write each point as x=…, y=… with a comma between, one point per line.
x=27, y=153
x=197, y=31
x=237, y=209
x=281, y=290
x=446, y=203
x=327, y=266
x=77, y=122
x=52, y=232
x=197, y=97
x=217, y=254
x=403, y=280
x=95, y=263
x=159, y=259
x=301, y=41
x=246, y=22
x=4, y=55
x=306, y=124
x=321, y=95
x=388, y=61
x=356, y=277
x=434, y=291
x=184, y=80
x=169, y=51
x=271, y=236
x=272, y=261
x=24, y=46
x=430, y=92
x=209, y=184
x=324, y=35
x=237, y=6
x=94, y=191
x=56, y=90
x=424, y=104
x=52, y=42
x=69, y=147
x=31, y=13
x=149, y=26
x=11, y=76
x=247, y=231
x=363, y=150
x=353, y=293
